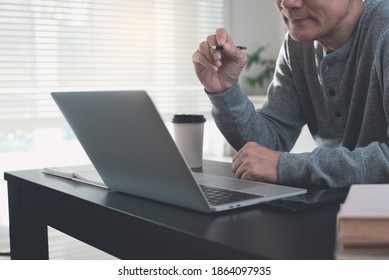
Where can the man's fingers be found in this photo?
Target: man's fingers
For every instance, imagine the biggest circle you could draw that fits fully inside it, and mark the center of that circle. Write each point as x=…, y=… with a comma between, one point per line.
x=221, y=36
x=202, y=59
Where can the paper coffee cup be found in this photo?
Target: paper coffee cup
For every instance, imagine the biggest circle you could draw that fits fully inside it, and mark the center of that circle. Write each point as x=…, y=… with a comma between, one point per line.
x=188, y=135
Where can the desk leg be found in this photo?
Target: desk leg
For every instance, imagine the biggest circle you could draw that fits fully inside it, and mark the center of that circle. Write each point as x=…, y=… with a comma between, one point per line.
x=28, y=235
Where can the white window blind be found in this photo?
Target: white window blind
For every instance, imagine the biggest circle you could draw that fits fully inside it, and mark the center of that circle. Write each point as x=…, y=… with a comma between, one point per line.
x=52, y=45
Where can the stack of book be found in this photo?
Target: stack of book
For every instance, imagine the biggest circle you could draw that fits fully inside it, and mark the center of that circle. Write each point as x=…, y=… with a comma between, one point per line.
x=363, y=223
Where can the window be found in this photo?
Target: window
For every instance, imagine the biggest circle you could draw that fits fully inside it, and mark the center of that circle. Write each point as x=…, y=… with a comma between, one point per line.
x=49, y=45
x=53, y=45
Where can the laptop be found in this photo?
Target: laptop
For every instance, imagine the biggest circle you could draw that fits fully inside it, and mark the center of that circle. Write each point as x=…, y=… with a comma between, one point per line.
x=131, y=148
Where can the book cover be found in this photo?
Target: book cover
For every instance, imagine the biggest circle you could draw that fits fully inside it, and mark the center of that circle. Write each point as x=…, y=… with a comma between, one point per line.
x=365, y=212
x=363, y=223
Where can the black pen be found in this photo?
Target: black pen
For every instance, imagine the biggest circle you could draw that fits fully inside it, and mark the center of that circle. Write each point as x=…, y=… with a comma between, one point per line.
x=219, y=48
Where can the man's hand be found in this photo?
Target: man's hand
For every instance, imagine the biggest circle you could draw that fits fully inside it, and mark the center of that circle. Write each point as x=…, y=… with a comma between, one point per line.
x=218, y=70
x=257, y=163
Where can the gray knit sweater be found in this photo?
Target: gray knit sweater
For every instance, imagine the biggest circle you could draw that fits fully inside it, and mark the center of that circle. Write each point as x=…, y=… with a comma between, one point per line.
x=343, y=97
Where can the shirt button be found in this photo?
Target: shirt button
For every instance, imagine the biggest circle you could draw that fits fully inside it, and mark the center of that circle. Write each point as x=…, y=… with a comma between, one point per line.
x=331, y=92
x=338, y=114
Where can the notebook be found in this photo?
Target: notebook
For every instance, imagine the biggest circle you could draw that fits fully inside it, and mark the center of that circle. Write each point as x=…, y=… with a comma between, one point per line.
x=131, y=148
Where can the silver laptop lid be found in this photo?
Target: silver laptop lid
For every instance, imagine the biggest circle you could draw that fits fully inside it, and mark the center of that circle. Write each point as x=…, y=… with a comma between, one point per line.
x=114, y=129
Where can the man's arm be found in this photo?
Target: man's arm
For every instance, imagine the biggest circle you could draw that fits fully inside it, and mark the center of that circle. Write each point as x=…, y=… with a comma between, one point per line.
x=276, y=125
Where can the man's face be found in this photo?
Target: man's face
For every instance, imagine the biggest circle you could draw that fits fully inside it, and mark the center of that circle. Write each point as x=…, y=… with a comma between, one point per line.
x=309, y=20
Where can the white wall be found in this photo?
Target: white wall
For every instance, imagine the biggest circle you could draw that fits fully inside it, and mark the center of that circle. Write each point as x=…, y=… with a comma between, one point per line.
x=255, y=23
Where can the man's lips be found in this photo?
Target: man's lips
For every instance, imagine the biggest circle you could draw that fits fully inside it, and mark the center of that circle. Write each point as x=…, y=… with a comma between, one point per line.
x=295, y=19
x=293, y=16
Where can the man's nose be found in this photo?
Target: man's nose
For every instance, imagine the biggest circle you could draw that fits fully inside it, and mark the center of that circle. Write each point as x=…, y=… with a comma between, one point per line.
x=290, y=4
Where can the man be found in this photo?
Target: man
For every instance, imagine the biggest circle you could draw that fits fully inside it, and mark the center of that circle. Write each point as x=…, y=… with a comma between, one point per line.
x=332, y=74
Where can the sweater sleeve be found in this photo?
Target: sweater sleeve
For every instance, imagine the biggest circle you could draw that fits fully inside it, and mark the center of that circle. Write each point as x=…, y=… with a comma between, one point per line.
x=335, y=167
x=276, y=125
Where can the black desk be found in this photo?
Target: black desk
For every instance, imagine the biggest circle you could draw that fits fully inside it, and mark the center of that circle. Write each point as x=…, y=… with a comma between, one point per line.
x=134, y=228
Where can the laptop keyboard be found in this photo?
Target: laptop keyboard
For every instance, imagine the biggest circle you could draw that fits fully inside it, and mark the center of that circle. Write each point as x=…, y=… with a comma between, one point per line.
x=216, y=196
